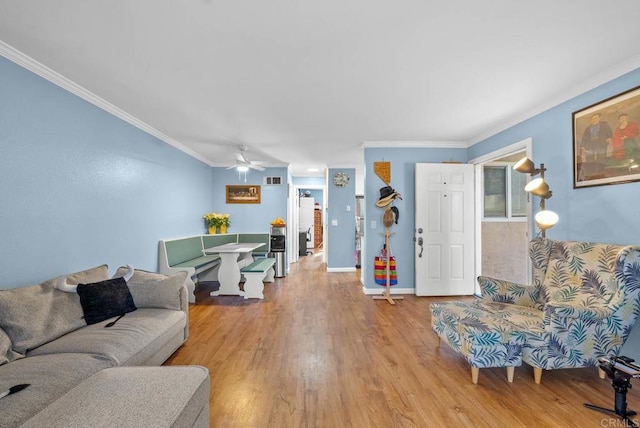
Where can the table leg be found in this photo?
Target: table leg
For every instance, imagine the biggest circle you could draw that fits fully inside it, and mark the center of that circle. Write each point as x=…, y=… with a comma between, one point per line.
x=245, y=259
x=228, y=276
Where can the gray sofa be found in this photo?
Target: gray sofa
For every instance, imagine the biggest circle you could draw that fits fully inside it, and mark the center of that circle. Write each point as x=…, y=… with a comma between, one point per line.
x=46, y=343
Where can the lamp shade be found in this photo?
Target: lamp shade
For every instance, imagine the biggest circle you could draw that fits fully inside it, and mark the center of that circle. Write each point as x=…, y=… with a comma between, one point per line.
x=242, y=168
x=538, y=187
x=546, y=219
x=524, y=165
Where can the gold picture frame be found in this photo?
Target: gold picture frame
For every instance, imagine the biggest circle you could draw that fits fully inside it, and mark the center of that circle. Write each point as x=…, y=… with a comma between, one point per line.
x=606, y=141
x=242, y=194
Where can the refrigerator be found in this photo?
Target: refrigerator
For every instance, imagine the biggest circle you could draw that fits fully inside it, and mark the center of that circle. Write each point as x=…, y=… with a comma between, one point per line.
x=306, y=224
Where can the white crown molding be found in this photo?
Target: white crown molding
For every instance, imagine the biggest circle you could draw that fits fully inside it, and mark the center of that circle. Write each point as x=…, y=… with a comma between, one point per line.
x=415, y=144
x=52, y=76
x=523, y=145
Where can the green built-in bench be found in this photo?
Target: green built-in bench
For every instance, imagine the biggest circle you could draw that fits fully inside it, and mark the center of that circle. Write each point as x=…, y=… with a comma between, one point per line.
x=258, y=272
x=186, y=254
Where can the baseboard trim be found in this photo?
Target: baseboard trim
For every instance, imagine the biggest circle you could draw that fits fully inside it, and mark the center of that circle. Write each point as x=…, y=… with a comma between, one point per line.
x=343, y=269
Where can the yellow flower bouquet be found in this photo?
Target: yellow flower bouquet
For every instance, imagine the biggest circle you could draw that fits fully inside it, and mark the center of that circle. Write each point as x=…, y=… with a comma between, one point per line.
x=215, y=220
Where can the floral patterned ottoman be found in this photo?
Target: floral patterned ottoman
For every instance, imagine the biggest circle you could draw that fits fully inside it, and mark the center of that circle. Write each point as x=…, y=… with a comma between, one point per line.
x=485, y=340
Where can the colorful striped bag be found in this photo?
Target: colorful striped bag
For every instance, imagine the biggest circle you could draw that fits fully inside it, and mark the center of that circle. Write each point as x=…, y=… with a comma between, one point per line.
x=380, y=269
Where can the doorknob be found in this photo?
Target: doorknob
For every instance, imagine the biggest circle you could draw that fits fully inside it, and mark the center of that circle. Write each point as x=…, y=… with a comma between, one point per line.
x=421, y=242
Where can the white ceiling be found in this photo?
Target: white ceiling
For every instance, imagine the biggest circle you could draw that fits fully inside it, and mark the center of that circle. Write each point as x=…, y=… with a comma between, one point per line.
x=306, y=83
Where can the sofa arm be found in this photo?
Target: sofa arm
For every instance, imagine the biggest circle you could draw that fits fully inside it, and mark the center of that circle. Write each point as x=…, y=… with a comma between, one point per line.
x=156, y=290
x=566, y=310
x=503, y=291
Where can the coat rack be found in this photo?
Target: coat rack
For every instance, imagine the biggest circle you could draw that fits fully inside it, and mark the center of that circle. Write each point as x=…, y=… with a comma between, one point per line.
x=387, y=220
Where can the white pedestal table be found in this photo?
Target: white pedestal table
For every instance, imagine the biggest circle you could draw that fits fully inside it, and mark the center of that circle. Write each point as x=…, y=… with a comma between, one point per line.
x=233, y=257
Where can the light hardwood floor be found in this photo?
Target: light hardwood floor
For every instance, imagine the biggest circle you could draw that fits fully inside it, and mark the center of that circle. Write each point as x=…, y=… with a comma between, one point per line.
x=317, y=352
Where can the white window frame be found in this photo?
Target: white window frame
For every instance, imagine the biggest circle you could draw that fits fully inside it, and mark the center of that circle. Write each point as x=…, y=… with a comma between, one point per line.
x=509, y=218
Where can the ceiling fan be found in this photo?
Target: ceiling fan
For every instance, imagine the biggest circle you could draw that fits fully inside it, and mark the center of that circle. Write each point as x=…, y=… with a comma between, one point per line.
x=243, y=163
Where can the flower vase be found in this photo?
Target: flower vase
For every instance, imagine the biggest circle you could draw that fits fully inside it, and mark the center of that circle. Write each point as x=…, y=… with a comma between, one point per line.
x=223, y=229
x=212, y=230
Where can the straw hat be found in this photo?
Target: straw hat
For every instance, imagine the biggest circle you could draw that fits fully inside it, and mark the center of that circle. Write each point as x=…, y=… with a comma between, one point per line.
x=387, y=195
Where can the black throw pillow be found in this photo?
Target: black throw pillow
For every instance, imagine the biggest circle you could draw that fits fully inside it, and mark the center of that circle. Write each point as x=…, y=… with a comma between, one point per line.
x=105, y=299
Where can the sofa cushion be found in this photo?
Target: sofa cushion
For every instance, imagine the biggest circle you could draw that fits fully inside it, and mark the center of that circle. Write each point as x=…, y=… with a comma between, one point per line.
x=49, y=377
x=5, y=347
x=155, y=290
x=6, y=353
x=37, y=314
x=105, y=299
x=176, y=396
x=525, y=319
x=129, y=342
x=499, y=290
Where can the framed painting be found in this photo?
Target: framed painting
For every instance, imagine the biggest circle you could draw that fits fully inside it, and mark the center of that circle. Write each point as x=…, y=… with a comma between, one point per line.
x=240, y=194
x=606, y=144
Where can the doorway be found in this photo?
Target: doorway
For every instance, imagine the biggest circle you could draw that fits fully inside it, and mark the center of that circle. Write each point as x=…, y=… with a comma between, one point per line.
x=444, y=201
x=503, y=215
x=295, y=242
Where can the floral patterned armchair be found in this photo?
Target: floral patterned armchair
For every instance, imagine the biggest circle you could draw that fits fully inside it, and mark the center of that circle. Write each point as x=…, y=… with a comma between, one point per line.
x=581, y=306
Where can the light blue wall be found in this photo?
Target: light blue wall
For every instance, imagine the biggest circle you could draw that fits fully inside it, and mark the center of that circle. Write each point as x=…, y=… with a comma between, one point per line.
x=341, y=251
x=308, y=181
x=600, y=214
x=403, y=162
x=607, y=214
x=250, y=218
x=80, y=187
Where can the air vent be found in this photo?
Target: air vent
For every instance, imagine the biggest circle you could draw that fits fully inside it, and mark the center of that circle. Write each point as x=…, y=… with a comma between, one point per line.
x=272, y=180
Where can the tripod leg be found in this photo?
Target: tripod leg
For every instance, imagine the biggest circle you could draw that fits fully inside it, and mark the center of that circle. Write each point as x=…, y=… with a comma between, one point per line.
x=624, y=417
x=601, y=409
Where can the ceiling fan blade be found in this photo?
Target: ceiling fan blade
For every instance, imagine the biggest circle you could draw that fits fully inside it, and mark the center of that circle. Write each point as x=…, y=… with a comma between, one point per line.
x=240, y=157
x=231, y=167
x=256, y=167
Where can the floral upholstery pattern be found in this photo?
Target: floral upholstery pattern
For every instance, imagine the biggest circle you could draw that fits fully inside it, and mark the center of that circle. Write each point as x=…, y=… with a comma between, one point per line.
x=483, y=340
x=509, y=292
x=581, y=306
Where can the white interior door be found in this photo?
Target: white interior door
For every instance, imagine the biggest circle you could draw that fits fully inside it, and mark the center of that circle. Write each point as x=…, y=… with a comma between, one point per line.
x=292, y=227
x=444, y=256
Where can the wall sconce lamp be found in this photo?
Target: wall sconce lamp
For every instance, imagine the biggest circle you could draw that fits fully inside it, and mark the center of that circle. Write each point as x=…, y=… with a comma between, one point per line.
x=544, y=219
